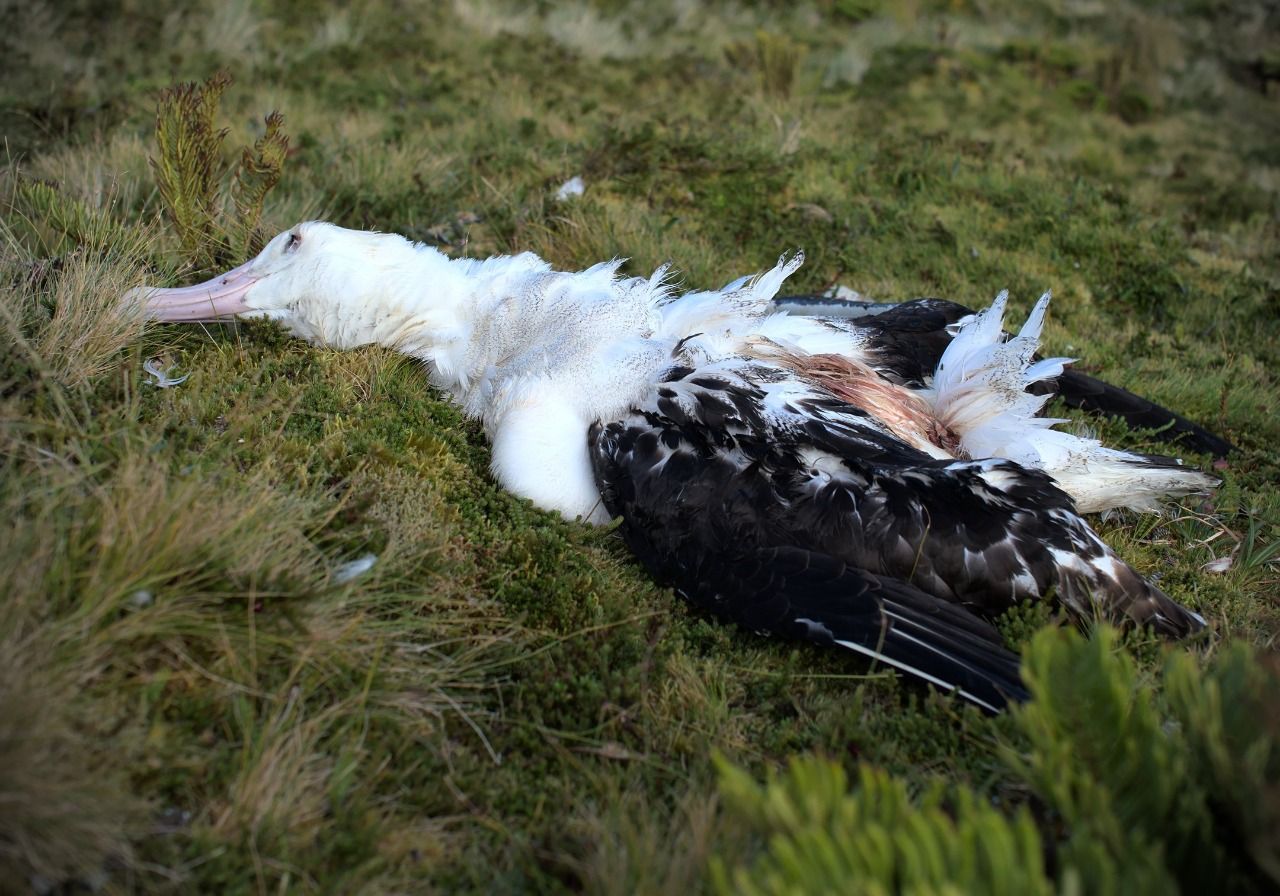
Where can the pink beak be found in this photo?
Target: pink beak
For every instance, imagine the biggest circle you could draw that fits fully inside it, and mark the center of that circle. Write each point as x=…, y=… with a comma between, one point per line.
x=216, y=299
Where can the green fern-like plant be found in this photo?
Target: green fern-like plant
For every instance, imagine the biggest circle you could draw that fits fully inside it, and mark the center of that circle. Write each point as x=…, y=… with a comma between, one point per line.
x=213, y=230
x=1098, y=757
x=1230, y=720
x=1167, y=784
x=1141, y=789
x=189, y=165
x=260, y=169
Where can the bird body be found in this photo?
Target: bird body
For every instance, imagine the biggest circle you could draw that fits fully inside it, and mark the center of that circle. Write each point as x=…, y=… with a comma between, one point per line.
x=800, y=474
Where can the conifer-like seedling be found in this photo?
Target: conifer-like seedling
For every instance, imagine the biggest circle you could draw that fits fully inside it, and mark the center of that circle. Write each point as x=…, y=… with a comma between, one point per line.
x=213, y=230
x=259, y=170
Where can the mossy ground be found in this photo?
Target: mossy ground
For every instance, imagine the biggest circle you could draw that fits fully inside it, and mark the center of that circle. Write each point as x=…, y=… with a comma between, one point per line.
x=192, y=700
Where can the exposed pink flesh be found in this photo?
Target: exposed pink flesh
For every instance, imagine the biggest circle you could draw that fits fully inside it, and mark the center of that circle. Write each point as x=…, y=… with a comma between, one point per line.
x=216, y=299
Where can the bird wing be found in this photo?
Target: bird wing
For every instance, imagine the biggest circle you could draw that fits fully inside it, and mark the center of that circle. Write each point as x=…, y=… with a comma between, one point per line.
x=724, y=463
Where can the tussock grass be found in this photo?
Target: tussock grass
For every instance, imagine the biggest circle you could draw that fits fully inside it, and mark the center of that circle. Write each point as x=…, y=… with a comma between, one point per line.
x=73, y=331
x=64, y=265
x=192, y=699
x=629, y=845
x=114, y=174
x=67, y=811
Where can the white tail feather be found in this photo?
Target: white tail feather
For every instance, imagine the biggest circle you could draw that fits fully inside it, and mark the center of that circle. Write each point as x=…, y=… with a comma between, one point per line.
x=979, y=392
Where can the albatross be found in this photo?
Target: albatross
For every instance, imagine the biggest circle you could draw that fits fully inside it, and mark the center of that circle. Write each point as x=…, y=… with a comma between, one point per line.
x=880, y=481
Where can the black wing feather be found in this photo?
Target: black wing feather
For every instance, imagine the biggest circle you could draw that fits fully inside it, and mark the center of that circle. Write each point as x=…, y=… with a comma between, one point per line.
x=1079, y=390
x=805, y=595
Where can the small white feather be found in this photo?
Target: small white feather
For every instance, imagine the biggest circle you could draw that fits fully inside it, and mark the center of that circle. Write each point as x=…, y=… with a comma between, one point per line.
x=353, y=569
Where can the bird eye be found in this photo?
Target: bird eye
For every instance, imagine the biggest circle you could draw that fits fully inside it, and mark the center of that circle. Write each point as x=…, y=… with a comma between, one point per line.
x=295, y=239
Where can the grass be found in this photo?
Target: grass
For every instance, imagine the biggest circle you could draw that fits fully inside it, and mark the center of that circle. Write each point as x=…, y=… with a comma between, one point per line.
x=192, y=699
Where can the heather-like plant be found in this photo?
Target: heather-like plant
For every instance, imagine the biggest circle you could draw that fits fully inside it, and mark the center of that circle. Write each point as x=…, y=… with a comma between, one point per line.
x=259, y=171
x=822, y=837
x=1152, y=792
x=188, y=166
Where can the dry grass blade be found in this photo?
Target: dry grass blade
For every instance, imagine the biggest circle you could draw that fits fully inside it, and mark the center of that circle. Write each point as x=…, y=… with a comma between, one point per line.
x=88, y=329
x=65, y=809
x=63, y=314
x=281, y=784
x=628, y=847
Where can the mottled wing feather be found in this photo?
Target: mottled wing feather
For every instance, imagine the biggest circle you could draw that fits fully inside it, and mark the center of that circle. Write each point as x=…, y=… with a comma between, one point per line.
x=738, y=457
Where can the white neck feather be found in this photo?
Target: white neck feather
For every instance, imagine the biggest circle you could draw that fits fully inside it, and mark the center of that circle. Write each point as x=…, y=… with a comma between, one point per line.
x=539, y=355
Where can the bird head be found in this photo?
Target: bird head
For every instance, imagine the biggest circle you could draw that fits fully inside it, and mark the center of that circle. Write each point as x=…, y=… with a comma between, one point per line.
x=322, y=282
